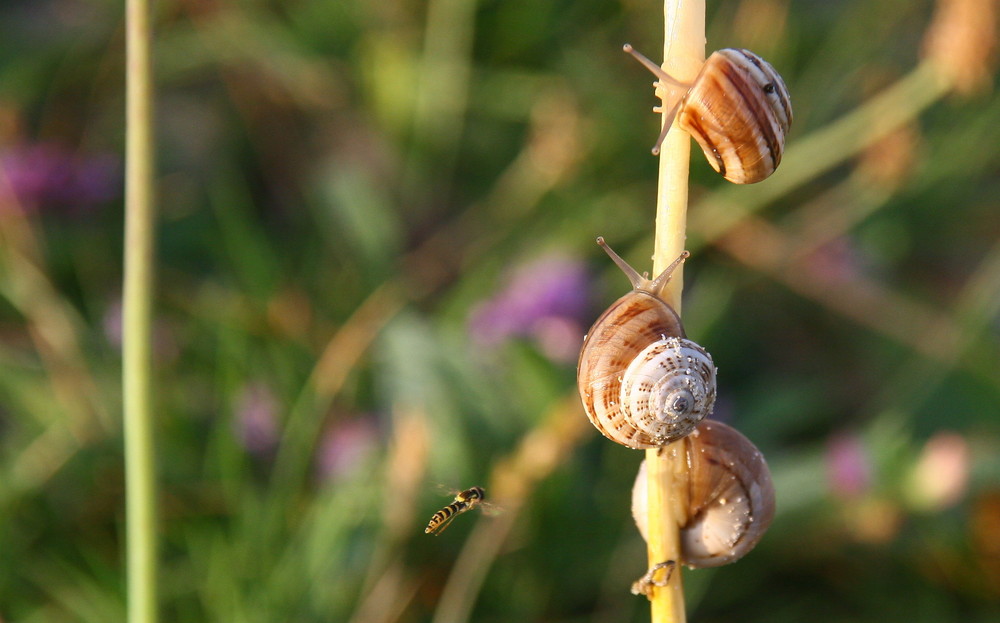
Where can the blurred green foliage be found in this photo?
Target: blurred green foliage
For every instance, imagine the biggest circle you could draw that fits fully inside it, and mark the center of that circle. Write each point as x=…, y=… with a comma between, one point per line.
x=346, y=187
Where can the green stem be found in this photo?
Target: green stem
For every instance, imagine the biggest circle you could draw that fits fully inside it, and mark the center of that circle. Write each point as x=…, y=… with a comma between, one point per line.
x=140, y=481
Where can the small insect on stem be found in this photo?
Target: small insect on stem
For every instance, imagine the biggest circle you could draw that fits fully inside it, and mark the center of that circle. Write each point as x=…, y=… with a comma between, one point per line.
x=464, y=501
x=645, y=584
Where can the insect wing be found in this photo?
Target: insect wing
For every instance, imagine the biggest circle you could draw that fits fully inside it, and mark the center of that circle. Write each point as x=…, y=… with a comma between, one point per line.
x=490, y=509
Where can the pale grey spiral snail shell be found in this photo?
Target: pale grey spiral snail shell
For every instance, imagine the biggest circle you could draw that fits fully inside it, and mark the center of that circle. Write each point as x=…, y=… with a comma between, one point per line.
x=737, y=108
x=727, y=496
x=642, y=382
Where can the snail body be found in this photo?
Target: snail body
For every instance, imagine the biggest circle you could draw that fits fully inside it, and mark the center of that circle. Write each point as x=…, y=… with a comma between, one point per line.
x=726, y=496
x=643, y=383
x=738, y=110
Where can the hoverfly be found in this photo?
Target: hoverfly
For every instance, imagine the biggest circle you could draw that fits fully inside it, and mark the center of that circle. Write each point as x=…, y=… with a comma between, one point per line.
x=464, y=501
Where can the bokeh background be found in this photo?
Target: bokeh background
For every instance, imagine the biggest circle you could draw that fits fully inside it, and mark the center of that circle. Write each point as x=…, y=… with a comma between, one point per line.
x=375, y=268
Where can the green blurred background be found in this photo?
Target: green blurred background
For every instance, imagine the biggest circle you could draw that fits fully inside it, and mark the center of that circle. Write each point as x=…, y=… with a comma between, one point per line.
x=375, y=268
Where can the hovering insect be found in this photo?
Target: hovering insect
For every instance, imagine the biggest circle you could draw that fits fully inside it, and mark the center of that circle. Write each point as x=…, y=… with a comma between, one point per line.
x=464, y=501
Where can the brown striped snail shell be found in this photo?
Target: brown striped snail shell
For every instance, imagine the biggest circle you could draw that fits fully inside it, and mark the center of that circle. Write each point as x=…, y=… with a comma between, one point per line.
x=727, y=496
x=642, y=382
x=737, y=108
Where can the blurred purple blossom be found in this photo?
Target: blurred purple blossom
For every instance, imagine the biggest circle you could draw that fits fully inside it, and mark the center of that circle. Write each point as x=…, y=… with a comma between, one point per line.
x=848, y=466
x=346, y=446
x=546, y=300
x=255, y=421
x=47, y=174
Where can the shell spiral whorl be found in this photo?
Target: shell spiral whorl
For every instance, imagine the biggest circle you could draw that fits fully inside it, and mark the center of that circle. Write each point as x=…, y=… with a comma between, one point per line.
x=668, y=388
x=642, y=382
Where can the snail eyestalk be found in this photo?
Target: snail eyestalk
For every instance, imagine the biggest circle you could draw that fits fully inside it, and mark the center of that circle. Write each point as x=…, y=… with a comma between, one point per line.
x=664, y=79
x=642, y=282
x=653, y=67
x=633, y=275
x=657, y=285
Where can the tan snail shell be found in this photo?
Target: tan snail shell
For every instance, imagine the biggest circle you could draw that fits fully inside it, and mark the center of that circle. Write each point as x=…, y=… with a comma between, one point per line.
x=643, y=384
x=737, y=108
x=729, y=496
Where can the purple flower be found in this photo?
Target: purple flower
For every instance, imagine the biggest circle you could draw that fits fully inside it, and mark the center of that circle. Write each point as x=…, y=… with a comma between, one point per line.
x=47, y=174
x=848, y=466
x=255, y=421
x=544, y=300
x=346, y=446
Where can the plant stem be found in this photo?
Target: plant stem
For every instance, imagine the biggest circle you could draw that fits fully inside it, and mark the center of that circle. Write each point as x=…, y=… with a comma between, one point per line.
x=684, y=54
x=140, y=479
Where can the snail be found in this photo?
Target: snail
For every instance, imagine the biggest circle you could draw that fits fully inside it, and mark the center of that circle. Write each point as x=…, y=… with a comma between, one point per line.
x=729, y=496
x=737, y=108
x=643, y=383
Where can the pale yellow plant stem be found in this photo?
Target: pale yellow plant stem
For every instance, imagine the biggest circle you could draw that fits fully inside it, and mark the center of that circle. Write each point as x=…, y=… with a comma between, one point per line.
x=140, y=481
x=684, y=54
